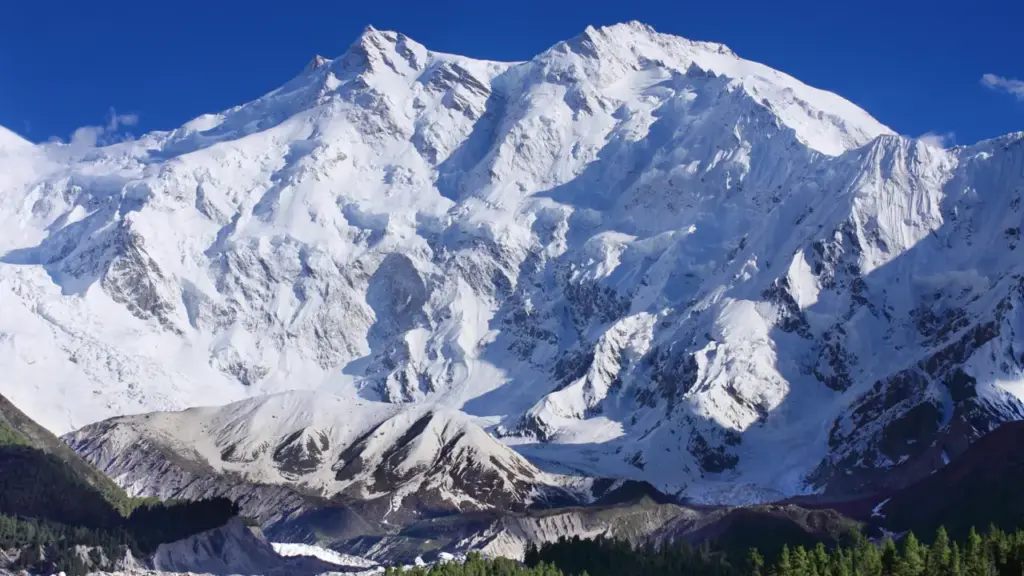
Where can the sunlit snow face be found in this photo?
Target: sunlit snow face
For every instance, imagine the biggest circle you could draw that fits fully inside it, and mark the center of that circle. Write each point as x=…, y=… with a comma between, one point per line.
x=633, y=256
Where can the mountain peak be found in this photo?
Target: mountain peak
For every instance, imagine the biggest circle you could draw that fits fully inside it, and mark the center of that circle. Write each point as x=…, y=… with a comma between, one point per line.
x=378, y=50
x=316, y=62
x=623, y=32
x=608, y=55
x=628, y=27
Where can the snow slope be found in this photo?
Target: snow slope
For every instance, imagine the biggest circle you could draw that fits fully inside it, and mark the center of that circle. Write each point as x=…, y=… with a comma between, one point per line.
x=327, y=555
x=632, y=256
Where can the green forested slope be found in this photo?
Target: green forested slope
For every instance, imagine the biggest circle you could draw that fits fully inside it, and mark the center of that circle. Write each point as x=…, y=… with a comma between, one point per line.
x=52, y=500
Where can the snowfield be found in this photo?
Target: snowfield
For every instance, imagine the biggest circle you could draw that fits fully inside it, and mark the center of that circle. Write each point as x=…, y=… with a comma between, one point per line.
x=633, y=256
x=286, y=550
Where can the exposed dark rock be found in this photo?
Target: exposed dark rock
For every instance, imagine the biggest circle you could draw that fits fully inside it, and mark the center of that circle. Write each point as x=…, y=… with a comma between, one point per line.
x=298, y=455
x=791, y=318
x=712, y=459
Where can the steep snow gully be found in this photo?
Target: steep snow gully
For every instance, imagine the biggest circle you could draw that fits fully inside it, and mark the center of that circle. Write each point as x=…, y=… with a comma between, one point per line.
x=416, y=279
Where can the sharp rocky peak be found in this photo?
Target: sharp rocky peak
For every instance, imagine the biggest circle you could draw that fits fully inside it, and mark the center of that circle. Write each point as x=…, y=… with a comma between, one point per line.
x=377, y=50
x=316, y=62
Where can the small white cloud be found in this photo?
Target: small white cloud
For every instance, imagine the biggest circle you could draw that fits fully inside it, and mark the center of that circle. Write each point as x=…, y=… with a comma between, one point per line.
x=87, y=136
x=92, y=136
x=941, y=140
x=117, y=120
x=1008, y=85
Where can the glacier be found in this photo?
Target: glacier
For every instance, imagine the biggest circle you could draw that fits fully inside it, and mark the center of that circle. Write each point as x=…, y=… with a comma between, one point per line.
x=634, y=256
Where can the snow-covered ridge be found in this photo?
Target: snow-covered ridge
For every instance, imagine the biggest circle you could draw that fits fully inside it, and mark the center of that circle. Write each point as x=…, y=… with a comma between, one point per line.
x=632, y=256
x=822, y=120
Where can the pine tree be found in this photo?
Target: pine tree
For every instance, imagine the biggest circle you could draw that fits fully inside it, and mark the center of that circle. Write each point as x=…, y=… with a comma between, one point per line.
x=755, y=563
x=867, y=558
x=819, y=563
x=956, y=561
x=975, y=559
x=841, y=562
x=939, y=558
x=785, y=565
x=532, y=556
x=997, y=549
x=912, y=561
x=801, y=562
x=890, y=556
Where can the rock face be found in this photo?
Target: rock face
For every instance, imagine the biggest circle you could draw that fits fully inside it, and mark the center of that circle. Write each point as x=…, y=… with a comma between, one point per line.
x=633, y=256
x=233, y=549
x=509, y=534
x=305, y=465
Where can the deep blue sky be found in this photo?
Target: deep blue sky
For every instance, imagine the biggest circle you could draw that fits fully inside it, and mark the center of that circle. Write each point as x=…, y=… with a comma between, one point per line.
x=915, y=65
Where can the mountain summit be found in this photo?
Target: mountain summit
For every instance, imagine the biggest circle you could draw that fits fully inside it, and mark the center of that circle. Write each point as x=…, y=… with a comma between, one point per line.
x=633, y=256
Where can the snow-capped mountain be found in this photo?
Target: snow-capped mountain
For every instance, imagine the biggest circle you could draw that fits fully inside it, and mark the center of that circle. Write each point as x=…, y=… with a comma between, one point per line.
x=633, y=256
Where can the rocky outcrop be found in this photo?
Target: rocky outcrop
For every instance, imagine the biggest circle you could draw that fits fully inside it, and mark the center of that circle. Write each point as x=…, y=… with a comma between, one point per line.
x=330, y=479
x=233, y=549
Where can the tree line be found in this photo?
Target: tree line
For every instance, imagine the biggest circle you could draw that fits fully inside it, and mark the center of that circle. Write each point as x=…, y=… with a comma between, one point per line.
x=47, y=509
x=46, y=546
x=994, y=553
